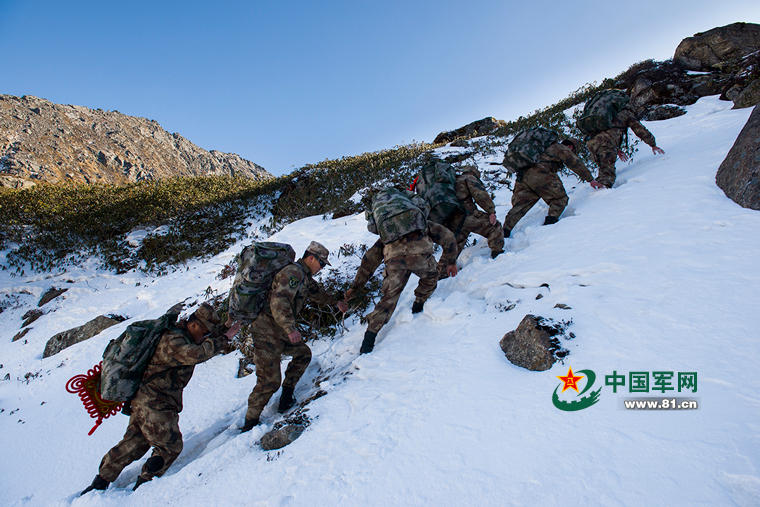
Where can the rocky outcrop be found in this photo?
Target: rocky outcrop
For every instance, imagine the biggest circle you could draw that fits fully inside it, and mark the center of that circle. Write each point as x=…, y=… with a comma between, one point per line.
x=78, y=334
x=739, y=174
x=533, y=344
x=715, y=48
x=50, y=294
x=482, y=127
x=665, y=112
x=279, y=438
x=43, y=141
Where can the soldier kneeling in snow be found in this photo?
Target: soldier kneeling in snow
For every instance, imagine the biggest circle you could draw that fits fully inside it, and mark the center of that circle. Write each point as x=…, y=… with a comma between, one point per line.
x=154, y=420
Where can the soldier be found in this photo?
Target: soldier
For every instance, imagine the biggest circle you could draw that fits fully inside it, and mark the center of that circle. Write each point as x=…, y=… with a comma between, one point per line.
x=154, y=419
x=541, y=181
x=605, y=145
x=412, y=253
x=470, y=190
x=276, y=333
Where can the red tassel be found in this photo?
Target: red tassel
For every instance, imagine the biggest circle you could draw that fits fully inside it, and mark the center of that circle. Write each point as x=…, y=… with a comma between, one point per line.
x=88, y=389
x=414, y=184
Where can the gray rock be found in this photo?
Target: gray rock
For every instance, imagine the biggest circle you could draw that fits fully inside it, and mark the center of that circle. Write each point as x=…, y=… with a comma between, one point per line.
x=78, y=334
x=739, y=174
x=482, y=127
x=749, y=96
x=531, y=345
x=279, y=438
x=713, y=48
x=663, y=112
x=31, y=316
x=51, y=294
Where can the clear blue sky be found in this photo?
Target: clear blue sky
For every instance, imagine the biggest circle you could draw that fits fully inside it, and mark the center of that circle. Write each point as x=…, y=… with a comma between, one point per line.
x=289, y=83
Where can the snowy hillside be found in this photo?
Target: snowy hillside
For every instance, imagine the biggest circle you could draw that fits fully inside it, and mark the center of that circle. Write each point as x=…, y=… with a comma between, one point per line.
x=659, y=274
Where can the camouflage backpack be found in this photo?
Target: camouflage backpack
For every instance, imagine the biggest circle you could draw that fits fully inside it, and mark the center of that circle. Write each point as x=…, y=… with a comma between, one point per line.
x=600, y=111
x=257, y=265
x=526, y=148
x=437, y=185
x=396, y=213
x=127, y=356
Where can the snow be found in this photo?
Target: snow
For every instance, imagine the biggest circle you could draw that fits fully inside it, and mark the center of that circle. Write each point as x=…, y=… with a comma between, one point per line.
x=660, y=273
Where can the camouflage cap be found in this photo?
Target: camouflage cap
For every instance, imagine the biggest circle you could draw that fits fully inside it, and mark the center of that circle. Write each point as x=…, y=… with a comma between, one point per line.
x=207, y=316
x=319, y=251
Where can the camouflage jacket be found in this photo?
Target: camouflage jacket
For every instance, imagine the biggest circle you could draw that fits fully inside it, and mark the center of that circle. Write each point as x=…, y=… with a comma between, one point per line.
x=558, y=155
x=470, y=190
x=290, y=288
x=170, y=369
x=614, y=136
x=414, y=244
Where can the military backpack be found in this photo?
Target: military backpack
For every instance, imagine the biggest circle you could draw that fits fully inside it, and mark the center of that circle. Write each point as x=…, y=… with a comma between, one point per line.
x=600, y=111
x=526, y=148
x=396, y=213
x=127, y=356
x=257, y=265
x=437, y=185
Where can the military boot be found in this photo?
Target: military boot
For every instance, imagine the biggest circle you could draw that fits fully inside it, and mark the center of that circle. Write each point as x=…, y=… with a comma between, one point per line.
x=550, y=220
x=286, y=399
x=507, y=231
x=496, y=253
x=418, y=306
x=249, y=424
x=97, y=483
x=368, y=344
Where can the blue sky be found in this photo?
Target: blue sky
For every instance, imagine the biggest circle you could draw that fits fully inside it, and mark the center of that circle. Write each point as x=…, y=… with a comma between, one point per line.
x=289, y=83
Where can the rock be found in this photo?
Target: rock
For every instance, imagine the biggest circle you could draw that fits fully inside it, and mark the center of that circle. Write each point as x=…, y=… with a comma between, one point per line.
x=279, y=438
x=712, y=49
x=532, y=345
x=749, y=96
x=21, y=334
x=482, y=127
x=461, y=143
x=78, y=334
x=663, y=112
x=31, y=316
x=43, y=141
x=739, y=174
x=51, y=294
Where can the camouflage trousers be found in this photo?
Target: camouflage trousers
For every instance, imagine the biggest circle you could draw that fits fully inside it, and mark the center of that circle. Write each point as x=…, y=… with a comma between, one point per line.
x=267, y=356
x=147, y=428
x=479, y=224
x=397, y=273
x=537, y=183
x=605, y=155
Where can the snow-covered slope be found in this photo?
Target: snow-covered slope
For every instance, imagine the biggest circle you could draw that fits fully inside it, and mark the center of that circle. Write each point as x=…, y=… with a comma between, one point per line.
x=660, y=274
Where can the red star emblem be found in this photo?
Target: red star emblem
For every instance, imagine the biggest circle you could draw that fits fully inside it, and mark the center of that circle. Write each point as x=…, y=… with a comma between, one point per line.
x=570, y=380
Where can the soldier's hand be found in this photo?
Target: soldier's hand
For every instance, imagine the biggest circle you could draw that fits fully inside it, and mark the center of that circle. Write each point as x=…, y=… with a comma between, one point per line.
x=348, y=295
x=233, y=329
x=657, y=150
x=595, y=184
x=492, y=218
x=342, y=306
x=622, y=156
x=451, y=269
x=295, y=337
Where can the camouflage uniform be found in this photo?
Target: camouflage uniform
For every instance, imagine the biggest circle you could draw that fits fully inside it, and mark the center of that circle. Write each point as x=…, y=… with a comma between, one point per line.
x=542, y=182
x=412, y=253
x=291, y=286
x=604, y=146
x=470, y=190
x=154, y=421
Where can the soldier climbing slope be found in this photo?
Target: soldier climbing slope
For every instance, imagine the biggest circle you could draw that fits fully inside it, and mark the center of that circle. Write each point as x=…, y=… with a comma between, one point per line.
x=471, y=191
x=399, y=217
x=605, y=121
x=275, y=331
x=154, y=419
x=536, y=156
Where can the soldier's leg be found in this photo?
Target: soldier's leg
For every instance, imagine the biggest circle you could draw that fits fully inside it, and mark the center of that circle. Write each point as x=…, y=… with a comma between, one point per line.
x=479, y=224
x=301, y=357
x=396, y=276
x=266, y=357
x=553, y=193
x=131, y=448
x=161, y=430
x=426, y=269
x=523, y=199
x=605, y=157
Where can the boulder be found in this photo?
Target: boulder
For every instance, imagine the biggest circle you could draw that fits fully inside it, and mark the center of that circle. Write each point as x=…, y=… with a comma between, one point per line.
x=50, y=294
x=532, y=345
x=749, y=96
x=714, y=48
x=279, y=438
x=78, y=334
x=739, y=174
x=482, y=127
x=663, y=112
